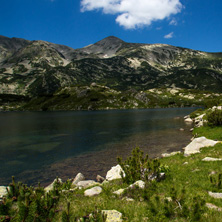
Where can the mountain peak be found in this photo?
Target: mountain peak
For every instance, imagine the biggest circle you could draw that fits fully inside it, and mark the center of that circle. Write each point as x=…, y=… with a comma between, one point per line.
x=104, y=48
x=113, y=38
x=110, y=40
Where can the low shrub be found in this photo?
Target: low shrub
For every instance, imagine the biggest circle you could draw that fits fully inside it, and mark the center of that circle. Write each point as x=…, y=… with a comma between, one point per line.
x=138, y=167
x=176, y=206
x=214, y=118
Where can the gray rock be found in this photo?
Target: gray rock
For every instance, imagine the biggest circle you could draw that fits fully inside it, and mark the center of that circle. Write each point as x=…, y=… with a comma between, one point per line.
x=170, y=154
x=3, y=191
x=197, y=144
x=79, y=177
x=169, y=199
x=188, y=120
x=86, y=183
x=200, y=124
x=213, y=207
x=216, y=107
x=139, y=183
x=99, y=178
x=50, y=186
x=112, y=215
x=114, y=173
x=215, y=195
x=119, y=192
x=93, y=191
x=199, y=121
x=208, y=159
x=128, y=199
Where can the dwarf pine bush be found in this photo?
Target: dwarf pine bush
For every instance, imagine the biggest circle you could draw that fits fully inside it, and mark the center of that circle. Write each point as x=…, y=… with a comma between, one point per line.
x=214, y=118
x=138, y=167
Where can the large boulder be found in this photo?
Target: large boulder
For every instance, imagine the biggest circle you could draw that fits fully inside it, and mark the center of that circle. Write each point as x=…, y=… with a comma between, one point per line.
x=112, y=215
x=93, y=191
x=115, y=173
x=197, y=144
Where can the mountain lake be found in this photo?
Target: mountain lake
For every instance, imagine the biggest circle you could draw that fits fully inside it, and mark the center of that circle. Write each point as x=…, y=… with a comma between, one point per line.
x=39, y=146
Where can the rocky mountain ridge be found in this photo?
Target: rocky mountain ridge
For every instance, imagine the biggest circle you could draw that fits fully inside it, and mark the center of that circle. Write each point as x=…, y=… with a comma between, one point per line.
x=40, y=68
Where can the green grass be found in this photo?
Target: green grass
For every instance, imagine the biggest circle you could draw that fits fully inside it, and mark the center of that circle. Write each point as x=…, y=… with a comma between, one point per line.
x=214, y=133
x=193, y=177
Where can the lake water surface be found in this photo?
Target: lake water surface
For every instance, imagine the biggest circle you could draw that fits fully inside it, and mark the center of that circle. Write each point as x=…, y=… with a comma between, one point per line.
x=38, y=146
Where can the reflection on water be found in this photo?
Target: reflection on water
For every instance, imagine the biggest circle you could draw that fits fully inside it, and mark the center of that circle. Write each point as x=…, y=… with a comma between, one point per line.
x=38, y=146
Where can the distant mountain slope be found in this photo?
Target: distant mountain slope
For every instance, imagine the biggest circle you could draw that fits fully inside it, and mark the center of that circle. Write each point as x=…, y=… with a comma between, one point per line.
x=36, y=68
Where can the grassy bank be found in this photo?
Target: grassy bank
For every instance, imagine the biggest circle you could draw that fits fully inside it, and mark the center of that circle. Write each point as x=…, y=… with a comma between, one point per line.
x=181, y=196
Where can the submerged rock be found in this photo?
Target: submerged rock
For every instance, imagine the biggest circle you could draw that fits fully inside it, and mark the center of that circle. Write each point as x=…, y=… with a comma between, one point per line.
x=115, y=173
x=197, y=144
x=93, y=191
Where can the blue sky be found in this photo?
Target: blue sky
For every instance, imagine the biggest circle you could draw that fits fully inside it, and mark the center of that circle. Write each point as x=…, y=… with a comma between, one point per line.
x=195, y=24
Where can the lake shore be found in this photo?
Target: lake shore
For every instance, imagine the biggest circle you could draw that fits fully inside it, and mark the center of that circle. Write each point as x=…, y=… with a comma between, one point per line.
x=186, y=184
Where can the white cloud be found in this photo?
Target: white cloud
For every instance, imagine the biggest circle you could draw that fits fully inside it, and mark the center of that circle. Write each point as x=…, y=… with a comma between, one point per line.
x=134, y=13
x=169, y=36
